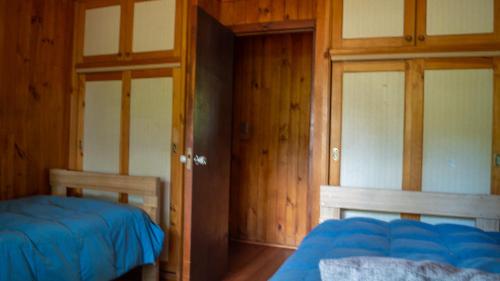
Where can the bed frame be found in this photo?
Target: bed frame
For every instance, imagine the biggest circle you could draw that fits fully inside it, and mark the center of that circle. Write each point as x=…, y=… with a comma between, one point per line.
x=484, y=209
x=146, y=187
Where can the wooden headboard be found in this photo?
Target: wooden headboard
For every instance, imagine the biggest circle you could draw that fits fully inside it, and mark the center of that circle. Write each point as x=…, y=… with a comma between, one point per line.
x=484, y=209
x=146, y=187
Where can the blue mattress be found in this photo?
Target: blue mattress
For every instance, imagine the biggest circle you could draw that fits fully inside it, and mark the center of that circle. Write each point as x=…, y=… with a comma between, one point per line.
x=460, y=246
x=62, y=238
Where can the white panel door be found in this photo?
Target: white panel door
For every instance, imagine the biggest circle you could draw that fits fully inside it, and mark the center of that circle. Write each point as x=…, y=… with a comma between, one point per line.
x=101, y=133
x=154, y=26
x=102, y=31
x=372, y=132
x=150, y=134
x=373, y=19
x=457, y=145
x=456, y=17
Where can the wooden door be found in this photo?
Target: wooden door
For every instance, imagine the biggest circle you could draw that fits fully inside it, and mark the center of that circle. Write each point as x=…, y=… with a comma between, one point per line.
x=459, y=128
x=209, y=113
x=458, y=22
x=370, y=24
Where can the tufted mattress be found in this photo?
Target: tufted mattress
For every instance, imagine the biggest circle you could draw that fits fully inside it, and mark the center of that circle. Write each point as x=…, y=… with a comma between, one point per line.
x=460, y=246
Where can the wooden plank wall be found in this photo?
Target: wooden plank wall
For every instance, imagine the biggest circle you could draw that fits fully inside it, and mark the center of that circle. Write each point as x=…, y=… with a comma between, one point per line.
x=35, y=55
x=271, y=125
x=236, y=12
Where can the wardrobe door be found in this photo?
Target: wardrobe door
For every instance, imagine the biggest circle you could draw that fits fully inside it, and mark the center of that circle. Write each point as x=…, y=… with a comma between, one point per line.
x=458, y=128
x=367, y=139
x=368, y=24
x=153, y=26
x=102, y=129
x=458, y=22
x=151, y=135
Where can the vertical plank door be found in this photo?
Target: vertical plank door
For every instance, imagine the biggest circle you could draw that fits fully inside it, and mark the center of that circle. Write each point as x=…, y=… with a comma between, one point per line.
x=206, y=194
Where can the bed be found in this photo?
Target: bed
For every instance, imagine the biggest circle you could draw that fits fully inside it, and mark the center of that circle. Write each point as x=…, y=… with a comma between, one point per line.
x=465, y=247
x=69, y=238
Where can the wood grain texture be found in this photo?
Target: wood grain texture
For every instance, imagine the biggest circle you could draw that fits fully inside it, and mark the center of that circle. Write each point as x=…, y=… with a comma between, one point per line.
x=425, y=203
x=270, y=170
x=249, y=262
x=36, y=55
x=495, y=173
x=241, y=12
x=320, y=109
x=413, y=130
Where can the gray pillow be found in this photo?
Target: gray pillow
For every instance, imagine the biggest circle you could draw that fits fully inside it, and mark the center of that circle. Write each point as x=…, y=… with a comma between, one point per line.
x=391, y=269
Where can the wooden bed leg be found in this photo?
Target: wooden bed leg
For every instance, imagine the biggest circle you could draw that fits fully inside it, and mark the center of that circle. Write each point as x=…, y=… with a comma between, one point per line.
x=151, y=272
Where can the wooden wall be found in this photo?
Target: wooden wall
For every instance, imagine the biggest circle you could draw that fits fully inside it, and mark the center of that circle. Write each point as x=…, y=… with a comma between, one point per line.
x=271, y=124
x=235, y=12
x=35, y=55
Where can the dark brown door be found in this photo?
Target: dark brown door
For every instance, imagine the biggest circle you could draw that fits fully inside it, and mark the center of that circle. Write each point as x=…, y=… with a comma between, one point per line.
x=209, y=135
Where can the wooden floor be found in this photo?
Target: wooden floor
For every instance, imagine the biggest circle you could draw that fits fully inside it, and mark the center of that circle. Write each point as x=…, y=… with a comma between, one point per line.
x=254, y=262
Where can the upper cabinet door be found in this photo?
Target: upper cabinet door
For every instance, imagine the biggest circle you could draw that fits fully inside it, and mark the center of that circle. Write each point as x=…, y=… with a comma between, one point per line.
x=458, y=22
x=368, y=23
x=116, y=32
x=153, y=26
x=100, y=26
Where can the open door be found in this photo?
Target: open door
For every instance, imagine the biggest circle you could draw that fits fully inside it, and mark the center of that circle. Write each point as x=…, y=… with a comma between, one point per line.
x=208, y=136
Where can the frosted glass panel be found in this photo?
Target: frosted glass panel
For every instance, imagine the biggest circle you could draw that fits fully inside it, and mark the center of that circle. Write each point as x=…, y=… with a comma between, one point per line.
x=438, y=220
x=150, y=133
x=375, y=215
x=102, y=31
x=370, y=18
x=372, y=129
x=460, y=16
x=458, y=118
x=101, y=136
x=154, y=25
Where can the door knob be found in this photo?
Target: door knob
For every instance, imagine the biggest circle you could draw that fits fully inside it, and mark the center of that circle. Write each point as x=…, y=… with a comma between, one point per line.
x=200, y=160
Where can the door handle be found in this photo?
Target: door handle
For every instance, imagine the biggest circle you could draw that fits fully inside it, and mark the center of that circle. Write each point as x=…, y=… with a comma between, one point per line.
x=186, y=159
x=200, y=160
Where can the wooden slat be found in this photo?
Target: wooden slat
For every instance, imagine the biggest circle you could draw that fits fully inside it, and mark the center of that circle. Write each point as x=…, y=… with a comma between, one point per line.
x=413, y=132
x=374, y=66
x=336, y=122
x=125, y=129
x=406, y=54
x=132, y=185
x=320, y=112
x=425, y=203
x=273, y=27
x=495, y=173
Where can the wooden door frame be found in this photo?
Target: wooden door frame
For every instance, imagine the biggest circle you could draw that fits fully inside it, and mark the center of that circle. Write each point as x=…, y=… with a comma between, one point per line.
x=407, y=39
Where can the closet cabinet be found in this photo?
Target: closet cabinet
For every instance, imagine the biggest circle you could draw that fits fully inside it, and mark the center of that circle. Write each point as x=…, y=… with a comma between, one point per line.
x=415, y=24
x=117, y=32
x=428, y=125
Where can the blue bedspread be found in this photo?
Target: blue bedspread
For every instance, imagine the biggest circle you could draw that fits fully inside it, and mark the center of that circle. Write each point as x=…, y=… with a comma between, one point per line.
x=460, y=246
x=63, y=238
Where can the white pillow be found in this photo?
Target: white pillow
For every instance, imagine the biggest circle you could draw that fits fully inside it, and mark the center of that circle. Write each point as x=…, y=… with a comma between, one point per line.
x=391, y=269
